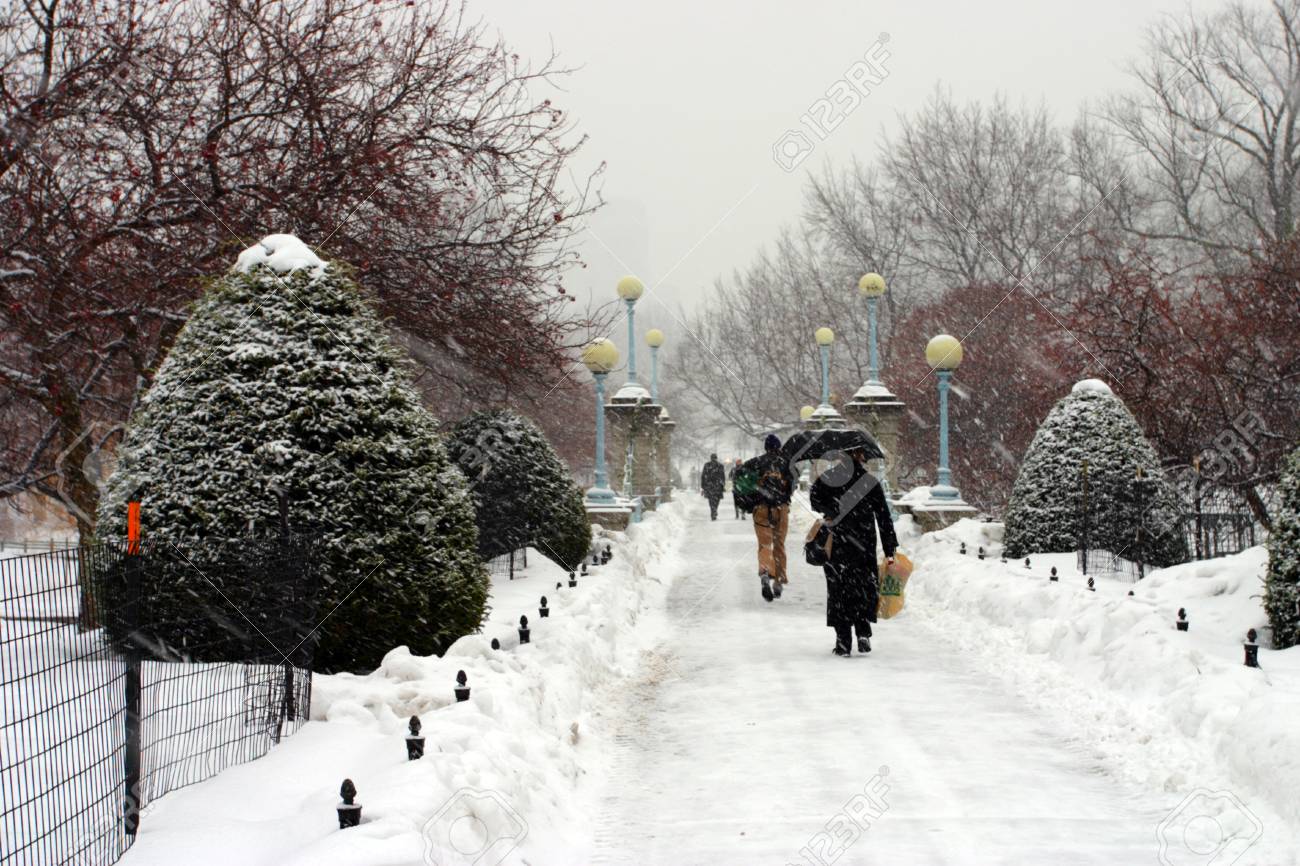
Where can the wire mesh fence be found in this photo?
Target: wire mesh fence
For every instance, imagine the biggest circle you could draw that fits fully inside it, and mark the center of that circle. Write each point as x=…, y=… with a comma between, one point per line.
x=128, y=673
x=508, y=563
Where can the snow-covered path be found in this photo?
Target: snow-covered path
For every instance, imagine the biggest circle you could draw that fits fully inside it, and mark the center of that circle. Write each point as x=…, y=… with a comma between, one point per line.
x=745, y=738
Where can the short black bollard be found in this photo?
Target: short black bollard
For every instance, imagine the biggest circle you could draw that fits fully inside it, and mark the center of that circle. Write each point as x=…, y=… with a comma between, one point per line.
x=963, y=548
x=1130, y=592
x=573, y=579
x=584, y=569
x=496, y=644
x=981, y=553
x=1004, y=559
x=462, y=686
x=1181, y=624
x=1092, y=585
x=606, y=555
x=559, y=586
x=1027, y=562
x=1252, y=649
x=349, y=809
x=543, y=611
x=1054, y=578
x=414, y=742
x=595, y=557
x=524, y=631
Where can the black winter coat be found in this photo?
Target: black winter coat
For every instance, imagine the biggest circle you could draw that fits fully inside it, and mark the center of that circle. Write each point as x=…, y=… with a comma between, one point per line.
x=853, y=502
x=713, y=480
x=776, y=478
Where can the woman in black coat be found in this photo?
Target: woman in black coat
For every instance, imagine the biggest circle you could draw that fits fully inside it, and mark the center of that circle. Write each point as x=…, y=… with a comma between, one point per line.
x=852, y=502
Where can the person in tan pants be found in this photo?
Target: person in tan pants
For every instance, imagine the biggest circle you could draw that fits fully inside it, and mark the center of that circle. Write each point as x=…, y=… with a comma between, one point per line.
x=770, y=525
x=776, y=482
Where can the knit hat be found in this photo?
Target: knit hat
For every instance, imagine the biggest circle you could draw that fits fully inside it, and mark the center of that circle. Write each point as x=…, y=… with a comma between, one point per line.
x=772, y=442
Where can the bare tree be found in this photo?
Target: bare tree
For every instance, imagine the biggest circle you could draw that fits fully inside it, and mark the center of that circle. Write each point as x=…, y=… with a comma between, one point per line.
x=423, y=160
x=986, y=190
x=1211, y=132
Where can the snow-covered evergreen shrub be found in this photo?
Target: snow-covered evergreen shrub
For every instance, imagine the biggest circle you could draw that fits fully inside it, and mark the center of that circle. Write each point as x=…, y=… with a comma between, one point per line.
x=523, y=494
x=1282, y=585
x=283, y=378
x=1136, y=519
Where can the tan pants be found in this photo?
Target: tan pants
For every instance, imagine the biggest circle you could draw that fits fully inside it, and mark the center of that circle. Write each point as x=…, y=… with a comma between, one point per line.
x=770, y=525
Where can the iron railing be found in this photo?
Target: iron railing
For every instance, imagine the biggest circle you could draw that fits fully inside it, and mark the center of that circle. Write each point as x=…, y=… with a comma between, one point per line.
x=129, y=672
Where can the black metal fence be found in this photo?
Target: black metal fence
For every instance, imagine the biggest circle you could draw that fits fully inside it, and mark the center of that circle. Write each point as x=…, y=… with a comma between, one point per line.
x=1218, y=520
x=128, y=673
x=509, y=563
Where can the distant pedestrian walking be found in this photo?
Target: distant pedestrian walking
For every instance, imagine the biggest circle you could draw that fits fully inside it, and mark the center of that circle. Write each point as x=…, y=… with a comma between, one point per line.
x=713, y=481
x=775, y=485
x=735, y=494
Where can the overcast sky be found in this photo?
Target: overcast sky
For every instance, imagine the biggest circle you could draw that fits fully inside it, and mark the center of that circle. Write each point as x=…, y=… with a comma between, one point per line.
x=685, y=100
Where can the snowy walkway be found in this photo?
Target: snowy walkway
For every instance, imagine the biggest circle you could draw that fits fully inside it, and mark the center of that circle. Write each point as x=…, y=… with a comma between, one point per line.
x=745, y=738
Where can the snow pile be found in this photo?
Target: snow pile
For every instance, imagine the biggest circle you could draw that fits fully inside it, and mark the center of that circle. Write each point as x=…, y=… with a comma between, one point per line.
x=1094, y=385
x=280, y=253
x=517, y=751
x=1174, y=710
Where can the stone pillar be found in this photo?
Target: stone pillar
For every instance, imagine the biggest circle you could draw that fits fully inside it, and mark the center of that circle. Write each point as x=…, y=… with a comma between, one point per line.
x=664, y=456
x=631, y=418
x=875, y=409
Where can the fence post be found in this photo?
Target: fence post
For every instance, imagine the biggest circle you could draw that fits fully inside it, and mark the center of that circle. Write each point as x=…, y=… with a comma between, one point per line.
x=131, y=622
x=1086, y=519
x=1196, y=500
x=288, y=705
x=1142, y=522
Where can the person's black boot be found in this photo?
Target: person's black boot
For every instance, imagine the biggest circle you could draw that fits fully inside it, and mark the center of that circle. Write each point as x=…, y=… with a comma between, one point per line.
x=864, y=638
x=767, y=585
x=843, y=637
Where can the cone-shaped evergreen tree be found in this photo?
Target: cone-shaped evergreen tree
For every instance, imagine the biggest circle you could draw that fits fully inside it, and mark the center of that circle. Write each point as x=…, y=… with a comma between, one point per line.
x=284, y=379
x=523, y=494
x=1282, y=585
x=1130, y=514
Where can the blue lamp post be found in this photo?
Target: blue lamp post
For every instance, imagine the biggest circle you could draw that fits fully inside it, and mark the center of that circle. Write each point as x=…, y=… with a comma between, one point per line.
x=600, y=356
x=872, y=287
x=943, y=353
x=654, y=338
x=825, y=336
x=630, y=290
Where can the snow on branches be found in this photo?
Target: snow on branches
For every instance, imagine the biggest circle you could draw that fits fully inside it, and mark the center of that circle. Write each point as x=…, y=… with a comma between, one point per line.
x=289, y=383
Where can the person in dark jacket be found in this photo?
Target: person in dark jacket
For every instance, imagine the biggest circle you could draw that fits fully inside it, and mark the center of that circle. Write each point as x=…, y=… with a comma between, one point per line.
x=731, y=479
x=776, y=483
x=853, y=504
x=713, y=481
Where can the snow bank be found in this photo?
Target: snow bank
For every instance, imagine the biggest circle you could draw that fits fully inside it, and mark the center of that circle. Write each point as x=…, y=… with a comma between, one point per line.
x=520, y=746
x=281, y=253
x=1174, y=710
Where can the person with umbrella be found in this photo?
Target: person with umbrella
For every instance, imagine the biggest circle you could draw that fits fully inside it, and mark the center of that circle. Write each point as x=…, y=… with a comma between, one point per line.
x=853, y=505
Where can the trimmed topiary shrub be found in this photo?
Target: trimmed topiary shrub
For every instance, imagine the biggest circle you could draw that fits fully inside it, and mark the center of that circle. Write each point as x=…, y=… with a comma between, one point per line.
x=523, y=493
x=284, y=380
x=1282, y=584
x=1136, y=518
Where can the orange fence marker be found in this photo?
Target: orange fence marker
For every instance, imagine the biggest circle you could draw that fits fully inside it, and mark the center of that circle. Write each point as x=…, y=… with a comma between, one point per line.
x=133, y=527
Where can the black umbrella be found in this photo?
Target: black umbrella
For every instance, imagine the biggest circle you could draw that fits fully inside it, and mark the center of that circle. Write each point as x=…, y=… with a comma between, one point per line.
x=816, y=444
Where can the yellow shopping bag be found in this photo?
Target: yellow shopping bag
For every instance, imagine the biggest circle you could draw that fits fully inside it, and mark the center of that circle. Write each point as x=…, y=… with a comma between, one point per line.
x=893, y=581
